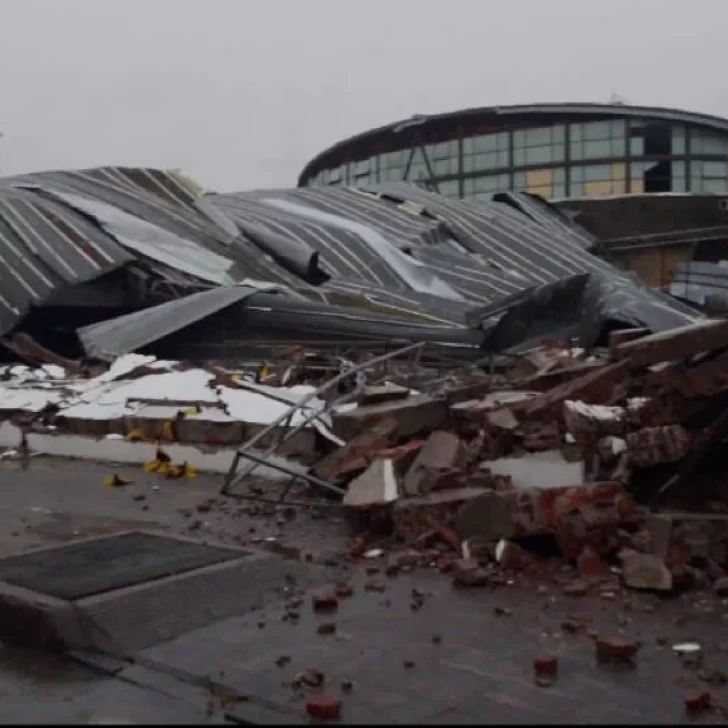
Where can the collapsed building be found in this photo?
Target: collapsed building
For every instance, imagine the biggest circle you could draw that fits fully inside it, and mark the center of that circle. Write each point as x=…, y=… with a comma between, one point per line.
x=91, y=258
x=462, y=374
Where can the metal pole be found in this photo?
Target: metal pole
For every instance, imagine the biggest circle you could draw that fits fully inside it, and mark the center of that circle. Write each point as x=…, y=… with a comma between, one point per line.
x=316, y=393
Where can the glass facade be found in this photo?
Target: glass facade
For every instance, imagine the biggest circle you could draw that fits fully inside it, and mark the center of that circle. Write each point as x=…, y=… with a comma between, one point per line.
x=574, y=159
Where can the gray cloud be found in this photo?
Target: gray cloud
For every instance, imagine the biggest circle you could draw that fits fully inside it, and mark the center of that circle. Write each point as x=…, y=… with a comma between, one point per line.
x=241, y=93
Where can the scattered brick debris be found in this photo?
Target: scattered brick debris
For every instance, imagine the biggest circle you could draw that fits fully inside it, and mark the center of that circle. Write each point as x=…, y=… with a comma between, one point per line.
x=324, y=708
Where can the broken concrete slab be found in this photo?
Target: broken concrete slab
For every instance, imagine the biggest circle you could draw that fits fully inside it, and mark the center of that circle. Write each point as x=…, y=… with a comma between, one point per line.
x=357, y=453
x=679, y=343
x=382, y=393
x=377, y=486
x=656, y=445
x=413, y=517
x=488, y=516
x=660, y=529
x=538, y=470
x=645, y=571
x=413, y=416
x=441, y=451
x=594, y=386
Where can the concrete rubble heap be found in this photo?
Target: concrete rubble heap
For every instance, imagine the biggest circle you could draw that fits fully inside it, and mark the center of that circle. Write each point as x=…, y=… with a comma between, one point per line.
x=611, y=463
x=610, y=460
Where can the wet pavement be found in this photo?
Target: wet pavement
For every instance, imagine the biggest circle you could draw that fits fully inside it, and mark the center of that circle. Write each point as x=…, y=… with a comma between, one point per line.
x=461, y=656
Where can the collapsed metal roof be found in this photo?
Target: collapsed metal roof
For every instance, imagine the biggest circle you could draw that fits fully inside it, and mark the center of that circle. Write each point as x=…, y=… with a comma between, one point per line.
x=378, y=260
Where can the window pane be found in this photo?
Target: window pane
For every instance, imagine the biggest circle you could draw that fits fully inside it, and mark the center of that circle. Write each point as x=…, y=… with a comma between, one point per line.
x=597, y=130
x=576, y=151
x=706, y=142
x=485, y=143
x=619, y=147
x=575, y=131
x=678, y=139
x=486, y=161
x=714, y=169
x=577, y=174
x=559, y=191
x=597, y=173
x=538, y=137
x=637, y=146
x=519, y=157
x=597, y=149
x=714, y=186
x=560, y=175
x=538, y=155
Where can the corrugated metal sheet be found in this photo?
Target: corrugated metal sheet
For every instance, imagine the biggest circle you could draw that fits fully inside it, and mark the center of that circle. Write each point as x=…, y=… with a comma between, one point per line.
x=109, y=339
x=394, y=251
x=45, y=247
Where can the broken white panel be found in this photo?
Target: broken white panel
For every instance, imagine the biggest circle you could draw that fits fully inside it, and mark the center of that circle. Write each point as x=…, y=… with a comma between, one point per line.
x=539, y=470
x=376, y=486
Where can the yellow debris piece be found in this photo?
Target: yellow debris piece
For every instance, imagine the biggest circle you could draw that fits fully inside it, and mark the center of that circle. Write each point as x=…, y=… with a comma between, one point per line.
x=115, y=481
x=193, y=410
x=134, y=436
x=168, y=431
x=183, y=470
x=160, y=463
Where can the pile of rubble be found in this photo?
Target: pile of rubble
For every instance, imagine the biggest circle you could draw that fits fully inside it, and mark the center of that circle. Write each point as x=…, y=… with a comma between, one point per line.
x=565, y=453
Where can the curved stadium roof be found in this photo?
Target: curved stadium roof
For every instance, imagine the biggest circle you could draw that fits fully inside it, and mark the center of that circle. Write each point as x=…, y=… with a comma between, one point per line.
x=548, y=109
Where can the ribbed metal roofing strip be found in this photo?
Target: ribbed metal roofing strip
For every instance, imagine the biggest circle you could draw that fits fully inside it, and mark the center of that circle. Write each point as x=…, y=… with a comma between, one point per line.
x=109, y=339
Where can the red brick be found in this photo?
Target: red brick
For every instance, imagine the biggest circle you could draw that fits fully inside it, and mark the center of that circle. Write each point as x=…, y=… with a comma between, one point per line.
x=467, y=572
x=324, y=599
x=590, y=564
x=675, y=344
x=324, y=708
x=512, y=557
x=357, y=454
x=546, y=668
x=342, y=589
x=698, y=702
x=614, y=649
x=576, y=589
x=375, y=585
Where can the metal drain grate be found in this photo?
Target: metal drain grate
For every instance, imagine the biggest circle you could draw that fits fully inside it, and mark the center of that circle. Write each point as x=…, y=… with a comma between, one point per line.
x=85, y=569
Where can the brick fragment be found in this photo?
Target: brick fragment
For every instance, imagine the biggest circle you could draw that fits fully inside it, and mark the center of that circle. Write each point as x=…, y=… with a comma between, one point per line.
x=467, y=572
x=576, y=589
x=325, y=599
x=698, y=702
x=614, y=649
x=343, y=589
x=358, y=453
x=720, y=587
x=678, y=343
x=413, y=416
x=375, y=585
x=324, y=708
x=645, y=571
x=590, y=564
x=546, y=669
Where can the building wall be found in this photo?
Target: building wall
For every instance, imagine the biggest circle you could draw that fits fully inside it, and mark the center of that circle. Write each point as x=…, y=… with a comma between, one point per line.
x=607, y=156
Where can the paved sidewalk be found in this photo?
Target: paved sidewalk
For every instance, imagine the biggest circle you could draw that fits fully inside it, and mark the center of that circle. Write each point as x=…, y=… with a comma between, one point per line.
x=465, y=656
x=459, y=659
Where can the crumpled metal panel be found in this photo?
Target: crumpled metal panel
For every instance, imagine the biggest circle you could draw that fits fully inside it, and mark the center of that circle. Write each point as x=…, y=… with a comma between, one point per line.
x=498, y=232
x=45, y=247
x=122, y=335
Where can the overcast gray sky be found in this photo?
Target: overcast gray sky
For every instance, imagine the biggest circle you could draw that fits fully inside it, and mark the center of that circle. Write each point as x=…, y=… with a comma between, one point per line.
x=242, y=93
